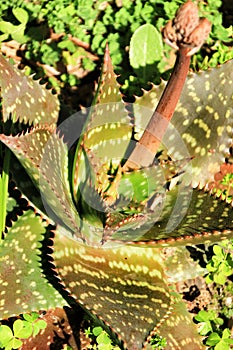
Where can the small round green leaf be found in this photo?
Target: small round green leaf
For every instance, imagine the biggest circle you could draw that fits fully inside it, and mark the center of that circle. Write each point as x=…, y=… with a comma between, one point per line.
x=103, y=338
x=38, y=326
x=6, y=27
x=205, y=328
x=31, y=317
x=145, y=49
x=226, y=334
x=222, y=345
x=18, y=34
x=213, y=339
x=14, y=344
x=97, y=331
x=219, y=278
x=21, y=15
x=22, y=329
x=218, y=251
x=5, y=335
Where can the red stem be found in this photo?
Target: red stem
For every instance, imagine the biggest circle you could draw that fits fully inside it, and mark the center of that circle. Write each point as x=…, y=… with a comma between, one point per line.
x=146, y=148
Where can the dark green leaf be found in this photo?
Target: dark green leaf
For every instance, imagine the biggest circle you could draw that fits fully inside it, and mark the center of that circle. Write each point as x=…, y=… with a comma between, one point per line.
x=213, y=339
x=31, y=317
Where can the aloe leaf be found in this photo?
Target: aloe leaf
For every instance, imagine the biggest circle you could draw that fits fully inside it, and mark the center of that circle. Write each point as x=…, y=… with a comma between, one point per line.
x=23, y=286
x=126, y=287
x=203, y=119
x=114, y=280
x=24, y=99
x=4, y=180
x=198, y=217
x=179, y=329
x=45, y=157
x=179, y=216
x=108, y=131
x=179, y=266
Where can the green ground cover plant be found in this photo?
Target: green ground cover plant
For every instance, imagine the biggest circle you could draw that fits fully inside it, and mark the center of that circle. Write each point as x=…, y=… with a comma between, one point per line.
x=210, y=326
x=23, y=328
x=83, y=225
x=81, y=27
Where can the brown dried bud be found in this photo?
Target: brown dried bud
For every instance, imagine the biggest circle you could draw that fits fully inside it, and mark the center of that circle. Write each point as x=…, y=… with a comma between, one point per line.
x=169, y=35
x=186, y=19
x=187, y=29
x=198, y=36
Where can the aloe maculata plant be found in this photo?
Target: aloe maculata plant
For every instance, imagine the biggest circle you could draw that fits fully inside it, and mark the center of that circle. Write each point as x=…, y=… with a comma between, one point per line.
x=120, y=222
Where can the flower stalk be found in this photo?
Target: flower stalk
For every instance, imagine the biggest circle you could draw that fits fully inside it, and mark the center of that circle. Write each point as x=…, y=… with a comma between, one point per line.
x=186, y=33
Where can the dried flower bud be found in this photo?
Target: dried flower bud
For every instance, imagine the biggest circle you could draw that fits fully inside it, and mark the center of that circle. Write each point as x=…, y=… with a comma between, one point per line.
x=186, y=19
x=169, y=35
x=198, y=36
x=187, y=29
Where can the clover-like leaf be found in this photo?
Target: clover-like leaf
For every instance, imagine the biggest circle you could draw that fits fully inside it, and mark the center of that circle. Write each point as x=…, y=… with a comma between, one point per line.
x=53, y=331
x=22, y=329
x=6, y=335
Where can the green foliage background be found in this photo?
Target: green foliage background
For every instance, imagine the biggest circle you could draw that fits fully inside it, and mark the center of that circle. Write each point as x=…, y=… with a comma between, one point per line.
x=47, y=28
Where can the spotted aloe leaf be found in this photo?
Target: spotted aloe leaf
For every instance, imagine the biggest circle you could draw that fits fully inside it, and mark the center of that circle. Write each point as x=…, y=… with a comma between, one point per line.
x=179, y=266
x=179, y=330
x=203, y=219
x=127, y=288
x=23, y=286
x=203, y=119
x=45, y=156
x=24, y=98
x=108, y=117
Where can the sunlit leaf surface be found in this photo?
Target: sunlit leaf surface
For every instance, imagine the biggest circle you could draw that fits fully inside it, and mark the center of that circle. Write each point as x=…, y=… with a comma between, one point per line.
x=108, y=129
x=23, y=287
x=127, y=288
x=44, y=155
x=203, y=120
x=24, y=99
